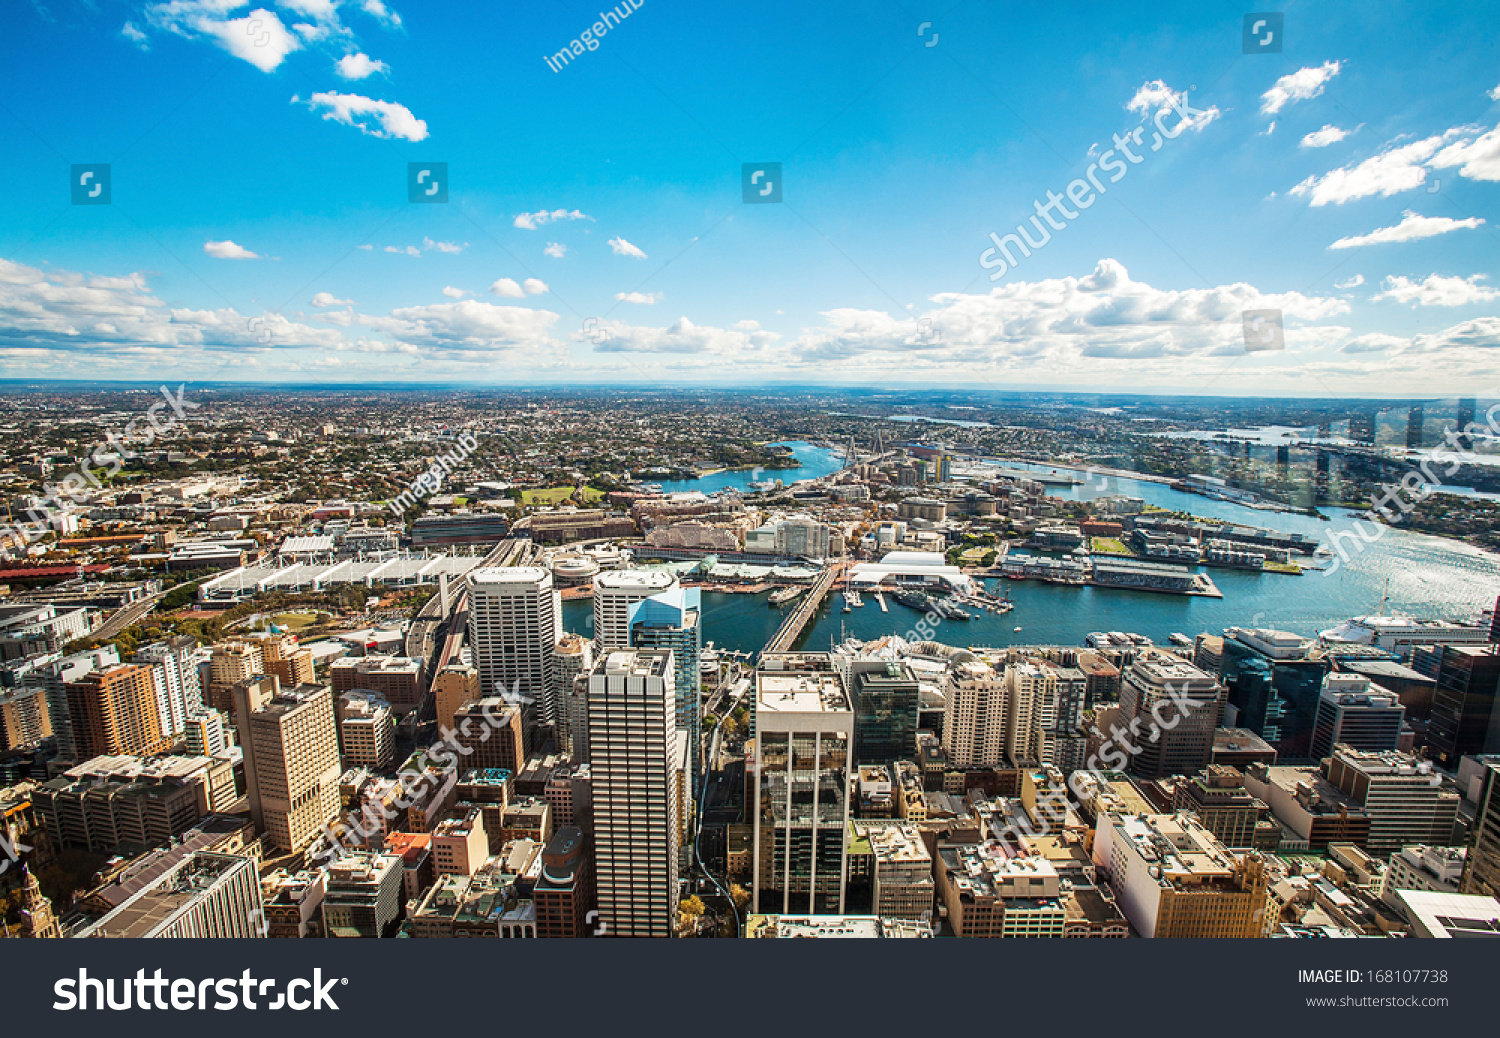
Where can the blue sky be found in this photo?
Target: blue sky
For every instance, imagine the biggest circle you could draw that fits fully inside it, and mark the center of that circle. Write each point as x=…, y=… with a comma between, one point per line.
x=259, y=227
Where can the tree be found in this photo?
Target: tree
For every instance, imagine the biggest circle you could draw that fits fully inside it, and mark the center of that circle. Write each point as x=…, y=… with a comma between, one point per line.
x=739, y=895
x=692, y=908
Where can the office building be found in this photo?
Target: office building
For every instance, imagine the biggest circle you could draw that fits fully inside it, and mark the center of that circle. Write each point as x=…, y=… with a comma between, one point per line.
x=363, y=897
x=367, y=730
x=55, y=677
x=1418, y=867
x=988, y=893
x=886, y=699
x=108, y=802
x=1482, y=869
x=804, y=722
x=974, y=717
x=201, y=895
x=1464, y=719
x=1352, y=712
x=1168, y=712
x=614, y=594
x=904, y=888
x=1432, y=914
x=206, y=732
x=290, y=742
x=1274, y=681
x=454, y=685
x=1404, y=797
x=396, y=679
x=488, y=732
x=564, y=892
x=1172, y=878
x=228, y=664
x=282, y=656
x=515, y=618
x=1219, y=800
x=460, y=846
x=572, y=659
x=672, y=621
x=115, y=711
x=632, y=722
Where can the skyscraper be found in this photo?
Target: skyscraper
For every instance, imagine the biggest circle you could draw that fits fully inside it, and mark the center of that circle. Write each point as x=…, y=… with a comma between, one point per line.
x=291, y=746
x=202, y=895
x=614, y=594
x=1274, y=680
x=515, y=617
x=886, y=697
x=175, y=665
x=803, y=725
x=572, y=658
x=672, y=620
x=974, y=717
x=1170, y=708
x=1355, y=713
x=115, y=711
x=632, y=742
x=1464, y=718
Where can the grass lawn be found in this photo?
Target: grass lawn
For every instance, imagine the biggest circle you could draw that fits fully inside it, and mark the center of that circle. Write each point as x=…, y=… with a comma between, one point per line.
x=1111, y=546
x=1282, y=567
x=557, y=495
x=293, y=621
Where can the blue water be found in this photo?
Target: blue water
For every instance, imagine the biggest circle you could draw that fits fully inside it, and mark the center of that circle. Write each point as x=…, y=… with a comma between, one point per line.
x=816, y=463
x=1421, y=575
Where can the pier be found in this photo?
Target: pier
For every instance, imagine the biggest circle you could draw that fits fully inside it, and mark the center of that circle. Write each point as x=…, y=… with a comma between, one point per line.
x=791, y=628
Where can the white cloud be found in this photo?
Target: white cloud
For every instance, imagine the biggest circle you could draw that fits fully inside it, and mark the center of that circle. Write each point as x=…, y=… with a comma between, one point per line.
x=227, y=249
x=645, y=298
x=390, y=19
x=454, y=293
x=1481, y=333
x=329, y=299
x=393, y=120
x=408, y=250
x=359, y=66
x=681, y=337
x=1375, y=342
x=508, y=288
x=466, y=325
x=622, y=247
x=1350, y=282
x=1436, y=290
x=531, y=221
x=535, y=286
x=1060, y=320
x=134, y=35
x=1155, y=96
x=1301, y=85
x=1329, y=134
x=259, y=37
x=1396, y=169
x=555, y=249
x=444, y=246
x=1411, y=228
x=1478, y=159
x=1494, y=95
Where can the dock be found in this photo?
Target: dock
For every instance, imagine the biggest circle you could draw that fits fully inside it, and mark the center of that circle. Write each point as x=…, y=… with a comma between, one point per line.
x=880, y=599
x=791, y=628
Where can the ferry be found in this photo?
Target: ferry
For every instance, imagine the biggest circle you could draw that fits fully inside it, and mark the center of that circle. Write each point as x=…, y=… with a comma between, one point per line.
x=781, y=596
x=762, y=484
x=913, y=599
x=1399, y=634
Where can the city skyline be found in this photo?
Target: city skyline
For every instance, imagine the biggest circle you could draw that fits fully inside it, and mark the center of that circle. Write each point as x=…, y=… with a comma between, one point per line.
x=259, y=229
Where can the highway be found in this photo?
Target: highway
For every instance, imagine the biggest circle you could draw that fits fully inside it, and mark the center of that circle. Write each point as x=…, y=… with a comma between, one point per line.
x=125, y=617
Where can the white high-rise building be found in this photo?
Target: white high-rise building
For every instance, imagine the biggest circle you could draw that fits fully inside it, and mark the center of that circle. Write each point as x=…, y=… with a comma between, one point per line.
x=633, y=751
x=174, y=674
x=804, y=723
x=974, y=717
x=515, y=618
x=614, y=593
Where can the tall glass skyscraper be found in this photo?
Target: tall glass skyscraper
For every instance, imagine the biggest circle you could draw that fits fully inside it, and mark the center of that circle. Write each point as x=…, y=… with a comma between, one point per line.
x=673, y=620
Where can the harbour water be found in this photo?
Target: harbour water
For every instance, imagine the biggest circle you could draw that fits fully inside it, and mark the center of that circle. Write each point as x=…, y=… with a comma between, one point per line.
x=1421, y=575
x=816, y=463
